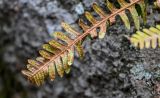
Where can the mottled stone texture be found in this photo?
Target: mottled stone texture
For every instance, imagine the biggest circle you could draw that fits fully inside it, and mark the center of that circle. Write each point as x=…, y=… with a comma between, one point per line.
x=105, y=70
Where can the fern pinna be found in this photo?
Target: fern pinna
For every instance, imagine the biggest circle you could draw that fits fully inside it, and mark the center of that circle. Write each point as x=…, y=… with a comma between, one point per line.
x=58, y=54
x=149, y=38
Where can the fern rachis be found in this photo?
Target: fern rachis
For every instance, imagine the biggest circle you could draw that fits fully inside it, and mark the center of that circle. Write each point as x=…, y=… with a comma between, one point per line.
x=58, y=57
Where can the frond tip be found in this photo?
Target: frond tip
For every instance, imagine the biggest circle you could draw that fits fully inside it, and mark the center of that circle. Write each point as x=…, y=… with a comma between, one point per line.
x=149, y=38
x=56, y=57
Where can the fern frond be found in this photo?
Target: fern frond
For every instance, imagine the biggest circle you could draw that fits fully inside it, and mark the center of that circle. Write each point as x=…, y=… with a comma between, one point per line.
x=148, y=38
x=58, y=54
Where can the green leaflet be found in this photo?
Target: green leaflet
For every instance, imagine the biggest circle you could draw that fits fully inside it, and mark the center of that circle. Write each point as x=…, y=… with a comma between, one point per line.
x=133, y=12
x=135, y=17
x=65, y=63
x=125, y=20
x=59, y=67
x=79, y=49
x=69, y=29
x=153, y=40
x=70, y=55
x=33, y=63
x=50, y=49
x=62, y=36
x=149, y=38
x=122, y=14
x=142, y=4
x=38, y=78
x=45, y=54
x=146, y=38
x=52, y=71
x=98, y=10
x=90, y=17
x=56, y=44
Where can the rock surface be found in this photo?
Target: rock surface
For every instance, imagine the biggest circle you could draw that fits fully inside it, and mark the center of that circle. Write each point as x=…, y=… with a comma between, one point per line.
x=110, y=67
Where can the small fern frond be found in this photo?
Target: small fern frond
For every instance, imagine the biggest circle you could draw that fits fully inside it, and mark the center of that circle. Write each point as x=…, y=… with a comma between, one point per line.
x=149, y=38
x=58, y=54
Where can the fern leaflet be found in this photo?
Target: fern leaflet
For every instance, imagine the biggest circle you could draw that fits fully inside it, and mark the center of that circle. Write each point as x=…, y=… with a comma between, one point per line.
x=146, y=39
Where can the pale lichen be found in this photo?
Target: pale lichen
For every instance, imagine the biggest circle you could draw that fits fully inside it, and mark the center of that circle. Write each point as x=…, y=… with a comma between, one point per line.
x=139, y=72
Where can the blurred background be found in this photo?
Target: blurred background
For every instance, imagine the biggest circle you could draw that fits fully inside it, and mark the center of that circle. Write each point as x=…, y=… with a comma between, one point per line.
x=112, y=68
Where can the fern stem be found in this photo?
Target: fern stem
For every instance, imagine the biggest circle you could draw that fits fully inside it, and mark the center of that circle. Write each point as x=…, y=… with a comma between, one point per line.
x=79, y=38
